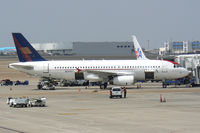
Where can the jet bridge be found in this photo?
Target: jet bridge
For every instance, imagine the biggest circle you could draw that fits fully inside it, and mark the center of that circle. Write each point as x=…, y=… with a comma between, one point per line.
x=192, y=63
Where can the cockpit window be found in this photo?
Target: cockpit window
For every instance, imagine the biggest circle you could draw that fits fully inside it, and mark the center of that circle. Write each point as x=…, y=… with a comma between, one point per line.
x=177, y=65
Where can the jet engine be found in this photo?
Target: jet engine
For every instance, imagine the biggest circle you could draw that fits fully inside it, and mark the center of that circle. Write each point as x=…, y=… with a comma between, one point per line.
x=92, y=77
x=123, y=80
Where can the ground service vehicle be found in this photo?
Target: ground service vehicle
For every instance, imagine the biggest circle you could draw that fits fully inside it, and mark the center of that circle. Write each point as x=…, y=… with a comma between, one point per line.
x=45, y=85
x=116, y=92
x=41, y=102
x=26, y=82
x=6, y=82
x=19, y=102
x=8, y=100
x=48, y=86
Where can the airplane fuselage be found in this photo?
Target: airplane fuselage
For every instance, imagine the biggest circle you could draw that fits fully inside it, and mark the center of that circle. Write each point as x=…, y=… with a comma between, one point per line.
x=94, y=70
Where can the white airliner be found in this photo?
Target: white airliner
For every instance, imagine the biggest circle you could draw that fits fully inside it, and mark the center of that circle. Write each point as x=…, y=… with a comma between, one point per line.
x=117, y=72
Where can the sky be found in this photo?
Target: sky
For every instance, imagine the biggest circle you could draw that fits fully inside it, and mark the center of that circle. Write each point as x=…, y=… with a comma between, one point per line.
x=100, y=20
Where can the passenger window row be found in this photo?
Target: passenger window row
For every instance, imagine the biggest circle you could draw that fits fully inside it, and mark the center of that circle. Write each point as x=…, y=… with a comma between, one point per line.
x=103, y=67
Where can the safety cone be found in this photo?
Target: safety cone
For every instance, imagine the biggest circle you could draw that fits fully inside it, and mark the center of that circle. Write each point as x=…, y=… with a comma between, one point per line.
x=79, y=89
x=161, y=98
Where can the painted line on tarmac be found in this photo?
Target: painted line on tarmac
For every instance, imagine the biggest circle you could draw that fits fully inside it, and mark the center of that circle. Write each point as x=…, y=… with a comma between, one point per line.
x=67, y=113
x=80, y=109
x=9, y=129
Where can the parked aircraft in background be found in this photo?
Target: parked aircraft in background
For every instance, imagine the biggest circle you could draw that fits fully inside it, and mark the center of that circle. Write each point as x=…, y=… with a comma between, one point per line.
x=117, y=72
x=7, y=48
x=138, y=50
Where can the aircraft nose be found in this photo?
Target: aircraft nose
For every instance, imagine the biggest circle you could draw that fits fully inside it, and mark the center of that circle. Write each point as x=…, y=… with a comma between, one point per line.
x=189, y=72
x=186, y=72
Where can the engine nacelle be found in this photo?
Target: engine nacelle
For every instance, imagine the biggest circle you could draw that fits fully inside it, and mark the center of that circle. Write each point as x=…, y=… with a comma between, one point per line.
x=92, y=77
x=123, y=80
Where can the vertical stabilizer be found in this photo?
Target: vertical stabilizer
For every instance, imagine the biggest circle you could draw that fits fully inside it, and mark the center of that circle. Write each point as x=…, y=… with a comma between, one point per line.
x=138, y=50
x=25, y=51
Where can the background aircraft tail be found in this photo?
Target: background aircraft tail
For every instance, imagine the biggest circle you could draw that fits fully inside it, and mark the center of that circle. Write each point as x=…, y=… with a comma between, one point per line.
x=24, y=49
x=138, y=50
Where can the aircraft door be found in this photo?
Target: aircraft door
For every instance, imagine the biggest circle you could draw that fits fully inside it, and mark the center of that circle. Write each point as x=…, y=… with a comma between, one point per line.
x=149, y=75
x=164, y=68
x=46, y=68
x=79, y=76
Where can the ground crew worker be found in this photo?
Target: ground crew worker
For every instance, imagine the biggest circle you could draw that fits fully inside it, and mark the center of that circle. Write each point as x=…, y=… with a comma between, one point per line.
x=110, y=93
x=125, y=91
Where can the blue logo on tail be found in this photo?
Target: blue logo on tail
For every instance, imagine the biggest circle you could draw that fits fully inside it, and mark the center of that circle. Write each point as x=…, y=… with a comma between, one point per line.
x=24, y=49
x=138, y=53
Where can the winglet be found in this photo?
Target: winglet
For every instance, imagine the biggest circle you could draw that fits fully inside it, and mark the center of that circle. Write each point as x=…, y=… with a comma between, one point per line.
x=138, y=50
x=25, y=51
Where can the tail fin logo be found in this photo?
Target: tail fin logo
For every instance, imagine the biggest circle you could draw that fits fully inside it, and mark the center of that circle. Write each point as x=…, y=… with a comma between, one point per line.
x=138, y=53
x=25, y=50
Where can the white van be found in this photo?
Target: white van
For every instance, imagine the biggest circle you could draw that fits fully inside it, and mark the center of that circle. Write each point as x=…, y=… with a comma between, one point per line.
x=116, y=92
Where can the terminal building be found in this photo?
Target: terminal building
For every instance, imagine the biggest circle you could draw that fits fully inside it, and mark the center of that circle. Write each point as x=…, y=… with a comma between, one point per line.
x=180, y=47
x=103, y=48
x=62, y=48
x=86, y=48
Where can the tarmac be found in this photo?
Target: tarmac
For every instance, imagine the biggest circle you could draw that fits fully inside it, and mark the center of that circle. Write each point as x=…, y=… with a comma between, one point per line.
x=92, y=111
